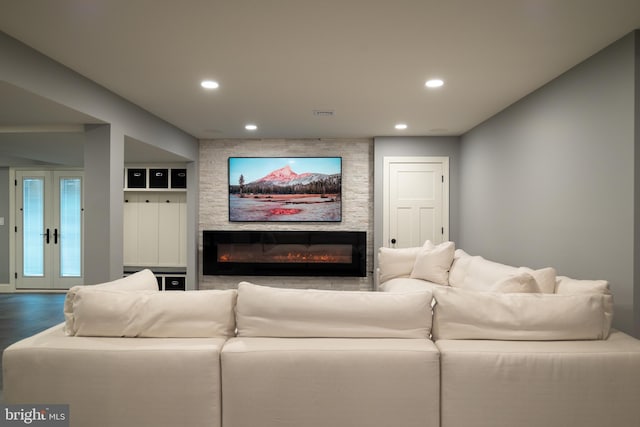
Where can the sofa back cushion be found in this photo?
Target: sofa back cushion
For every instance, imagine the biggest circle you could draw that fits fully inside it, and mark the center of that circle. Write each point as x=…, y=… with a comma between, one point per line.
x=479, y=274
x=394, y=262
x=566, y=285
x=463, y=314
x=143, y=280
x=118, y=313
x=274, y=312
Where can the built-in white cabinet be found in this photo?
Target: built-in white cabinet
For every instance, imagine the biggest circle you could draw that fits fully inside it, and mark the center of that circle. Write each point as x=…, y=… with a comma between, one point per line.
x=155, y=222
x=155, y=227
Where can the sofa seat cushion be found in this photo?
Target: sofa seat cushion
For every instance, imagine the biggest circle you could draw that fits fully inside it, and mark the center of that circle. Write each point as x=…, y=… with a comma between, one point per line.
x=190, y=314
x=264, y=311
x=407, y=284
x=463, y=314
x=541, y=383
x=118, y=381
x=338, y=382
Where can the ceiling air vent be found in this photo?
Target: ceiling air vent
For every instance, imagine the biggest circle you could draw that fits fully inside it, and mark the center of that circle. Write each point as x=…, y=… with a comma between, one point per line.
x=323, y=113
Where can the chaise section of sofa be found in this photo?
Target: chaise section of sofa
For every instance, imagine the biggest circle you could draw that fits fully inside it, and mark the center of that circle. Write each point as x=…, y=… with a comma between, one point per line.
x=586, y=383
x=522, y=347
x=322, y=358
x=128, y=356
x=108, y=381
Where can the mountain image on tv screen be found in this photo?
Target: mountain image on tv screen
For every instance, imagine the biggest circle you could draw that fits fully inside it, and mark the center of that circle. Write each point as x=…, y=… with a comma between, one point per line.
x=285, y=189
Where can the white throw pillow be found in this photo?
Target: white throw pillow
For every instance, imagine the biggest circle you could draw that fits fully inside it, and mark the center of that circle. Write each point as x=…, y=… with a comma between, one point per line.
x=477, y=273
x=518, y=283
x=463, y=314
x=264, y=311
x=433, y=262
x=459, y=268
x=143, y=280
x=545, y=278
x=567, y=285
x=190, y=314
x=394, y=262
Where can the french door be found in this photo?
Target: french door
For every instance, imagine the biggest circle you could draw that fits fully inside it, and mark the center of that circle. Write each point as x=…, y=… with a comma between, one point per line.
x=49, y=229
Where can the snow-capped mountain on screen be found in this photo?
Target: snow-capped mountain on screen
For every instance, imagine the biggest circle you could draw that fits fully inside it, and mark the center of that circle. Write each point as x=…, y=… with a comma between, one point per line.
x=285, y=176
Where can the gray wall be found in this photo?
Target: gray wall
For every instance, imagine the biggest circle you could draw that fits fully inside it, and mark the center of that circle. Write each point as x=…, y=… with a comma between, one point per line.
x=550, y=180
x=4, y=229
x=428, y=146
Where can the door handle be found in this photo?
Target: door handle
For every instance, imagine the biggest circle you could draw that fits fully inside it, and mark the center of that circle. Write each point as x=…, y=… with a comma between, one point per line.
x=55, y=236
x=46, y=236
x=393, y=241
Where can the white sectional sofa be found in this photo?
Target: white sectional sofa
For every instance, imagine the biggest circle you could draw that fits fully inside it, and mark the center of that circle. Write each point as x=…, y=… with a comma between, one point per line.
x=520, y=347
x=424, y=353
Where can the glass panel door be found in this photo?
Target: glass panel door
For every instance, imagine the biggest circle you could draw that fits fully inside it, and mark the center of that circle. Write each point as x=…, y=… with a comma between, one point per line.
x=33, y=231
x=49, y=219
x=68, y=229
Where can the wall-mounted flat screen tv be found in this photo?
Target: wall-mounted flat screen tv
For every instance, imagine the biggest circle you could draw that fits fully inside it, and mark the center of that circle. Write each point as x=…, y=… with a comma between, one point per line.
x=293, y=189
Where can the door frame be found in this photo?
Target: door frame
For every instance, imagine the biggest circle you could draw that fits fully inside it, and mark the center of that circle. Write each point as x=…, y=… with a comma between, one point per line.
x=387, y=160
x=13, y=268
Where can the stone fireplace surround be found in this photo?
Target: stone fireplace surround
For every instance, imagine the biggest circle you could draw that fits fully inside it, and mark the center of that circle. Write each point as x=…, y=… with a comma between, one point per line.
x=357, y=193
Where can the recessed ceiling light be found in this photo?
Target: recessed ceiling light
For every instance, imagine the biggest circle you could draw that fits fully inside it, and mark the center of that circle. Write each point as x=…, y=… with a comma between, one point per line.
x=401, y=126
x=251, y=127
x=324, y=113
x=434, y=83
x=209, y=84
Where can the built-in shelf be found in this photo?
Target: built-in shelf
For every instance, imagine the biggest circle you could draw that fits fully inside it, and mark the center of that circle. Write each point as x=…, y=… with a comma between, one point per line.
x=155, y=222
x=169, y=278
x=151, y=178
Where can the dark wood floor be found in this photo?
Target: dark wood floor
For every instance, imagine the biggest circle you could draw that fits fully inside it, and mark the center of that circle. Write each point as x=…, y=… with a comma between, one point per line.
x=22, y=315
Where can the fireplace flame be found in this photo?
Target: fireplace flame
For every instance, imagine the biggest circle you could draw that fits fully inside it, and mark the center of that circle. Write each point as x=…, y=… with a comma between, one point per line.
x=290, y=257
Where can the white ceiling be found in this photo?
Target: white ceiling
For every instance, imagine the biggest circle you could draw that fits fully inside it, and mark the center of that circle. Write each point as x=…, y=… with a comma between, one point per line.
x=279, y=60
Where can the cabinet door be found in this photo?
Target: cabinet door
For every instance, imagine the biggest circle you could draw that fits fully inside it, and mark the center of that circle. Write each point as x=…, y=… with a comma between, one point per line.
x=130, y=227
x=183, y=230
x=155, y=227
x=148, y=229
x=171, y=230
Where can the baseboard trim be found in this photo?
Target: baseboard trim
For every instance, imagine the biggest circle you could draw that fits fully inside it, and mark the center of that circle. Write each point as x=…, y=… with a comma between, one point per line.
x=7, y=288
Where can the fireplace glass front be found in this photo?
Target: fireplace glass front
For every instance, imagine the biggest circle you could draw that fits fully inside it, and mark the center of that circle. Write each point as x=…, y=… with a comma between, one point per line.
x=284, y=253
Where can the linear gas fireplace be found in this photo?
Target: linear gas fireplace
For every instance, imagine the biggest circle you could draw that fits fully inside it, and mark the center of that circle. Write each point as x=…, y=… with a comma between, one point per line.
x=285, y=253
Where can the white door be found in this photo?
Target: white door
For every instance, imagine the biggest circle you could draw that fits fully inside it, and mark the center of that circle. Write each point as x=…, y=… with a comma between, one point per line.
x=416, y=201
x=49, y=229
